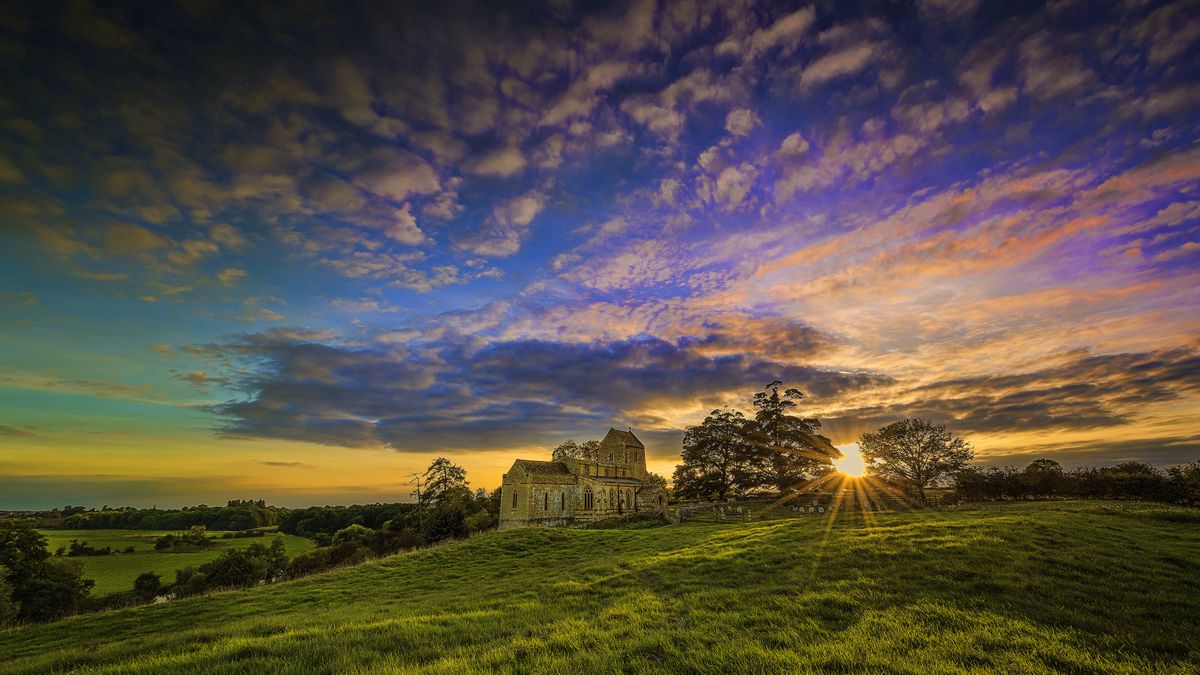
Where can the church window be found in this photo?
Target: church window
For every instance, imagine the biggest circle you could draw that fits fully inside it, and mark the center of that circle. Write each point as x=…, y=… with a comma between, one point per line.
x=588, y=499
x=545, y=501
x=514, y=498
x=562, y=501
x=606, y=472
x=612, y=498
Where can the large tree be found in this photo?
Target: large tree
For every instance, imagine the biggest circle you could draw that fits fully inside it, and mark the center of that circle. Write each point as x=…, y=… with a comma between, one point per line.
x=714, y=455
x=587, y=450
x=442, y=479
x=44, y=588
x=790, y=450
x=915, y=453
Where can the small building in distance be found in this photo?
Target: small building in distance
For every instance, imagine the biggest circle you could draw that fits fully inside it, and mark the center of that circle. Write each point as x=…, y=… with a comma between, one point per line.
x=573, y=490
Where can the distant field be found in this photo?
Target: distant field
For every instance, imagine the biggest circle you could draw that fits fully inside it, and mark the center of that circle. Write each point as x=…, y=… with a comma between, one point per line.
x=1031, y=587
x=116, y=572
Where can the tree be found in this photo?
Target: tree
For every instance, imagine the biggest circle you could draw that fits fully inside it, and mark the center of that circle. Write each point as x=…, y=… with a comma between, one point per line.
x=586, y=451
x=44, y=588
x=441, y=478
x=790, y=449
x=914, y=452
x=1042, y=478
x=714, y=457
x=147, y=585
x=567, y=450
x=58, y=590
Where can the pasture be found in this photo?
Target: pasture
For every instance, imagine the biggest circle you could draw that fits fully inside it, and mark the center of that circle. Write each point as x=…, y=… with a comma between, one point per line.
x=116, y=572
x=1023, y=587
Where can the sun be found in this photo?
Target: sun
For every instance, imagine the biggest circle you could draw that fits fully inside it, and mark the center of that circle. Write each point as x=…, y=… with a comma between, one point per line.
x=851, y=462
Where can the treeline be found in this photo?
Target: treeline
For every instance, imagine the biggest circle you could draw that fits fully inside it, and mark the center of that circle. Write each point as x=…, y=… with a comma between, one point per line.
x=772, y=451
x=35, y=586
x=1046, y=479
x=446, y=508
x=235, y=515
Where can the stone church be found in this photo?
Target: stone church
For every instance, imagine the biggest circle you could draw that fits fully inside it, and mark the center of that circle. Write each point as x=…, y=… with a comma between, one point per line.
x=580, y=490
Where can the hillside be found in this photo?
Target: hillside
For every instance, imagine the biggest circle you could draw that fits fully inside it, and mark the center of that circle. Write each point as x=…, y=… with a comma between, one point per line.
x=1075, y=586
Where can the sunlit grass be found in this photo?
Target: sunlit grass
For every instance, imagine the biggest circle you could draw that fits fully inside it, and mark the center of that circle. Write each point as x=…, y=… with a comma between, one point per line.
x=1004, y=588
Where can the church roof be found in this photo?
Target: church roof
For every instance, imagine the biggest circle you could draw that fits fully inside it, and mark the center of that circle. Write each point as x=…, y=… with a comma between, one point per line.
x=626, y=437
x=536, y=466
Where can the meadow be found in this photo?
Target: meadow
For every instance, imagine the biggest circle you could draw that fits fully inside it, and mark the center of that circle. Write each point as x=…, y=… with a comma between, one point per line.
x=116, y=572
x=1023, y=587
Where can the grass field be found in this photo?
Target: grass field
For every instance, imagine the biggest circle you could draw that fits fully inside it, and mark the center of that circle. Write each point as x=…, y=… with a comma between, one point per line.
x=1035, y=587
x=116, y=572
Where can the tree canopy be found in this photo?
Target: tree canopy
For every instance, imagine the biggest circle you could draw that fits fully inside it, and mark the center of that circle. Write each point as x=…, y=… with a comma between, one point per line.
x=915, y=453
x=730, y=454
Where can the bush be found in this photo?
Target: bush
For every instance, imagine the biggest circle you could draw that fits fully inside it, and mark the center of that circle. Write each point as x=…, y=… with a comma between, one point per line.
x=327, y=557
x=189, y=581
x=147, y=585
x=79, y=548
x=354, y=533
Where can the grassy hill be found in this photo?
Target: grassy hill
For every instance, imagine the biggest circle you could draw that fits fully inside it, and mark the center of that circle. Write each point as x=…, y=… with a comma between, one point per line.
x=1076, y=586
x=116, y=572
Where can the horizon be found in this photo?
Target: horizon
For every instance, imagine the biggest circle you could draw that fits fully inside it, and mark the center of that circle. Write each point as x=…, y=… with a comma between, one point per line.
x=294, y=255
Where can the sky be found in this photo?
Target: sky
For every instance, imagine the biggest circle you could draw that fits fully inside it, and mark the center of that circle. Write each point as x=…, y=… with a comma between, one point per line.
x=295, y=252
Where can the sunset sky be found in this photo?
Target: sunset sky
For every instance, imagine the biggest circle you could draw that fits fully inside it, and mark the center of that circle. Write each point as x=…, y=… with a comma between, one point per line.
x=269, y=252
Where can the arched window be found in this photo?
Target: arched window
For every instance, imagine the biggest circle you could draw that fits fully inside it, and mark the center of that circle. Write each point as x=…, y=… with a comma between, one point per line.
x=514, y=497
x=545, y=501
x=629, y=498
x=588, y=499
x=562, y=501
x=612, y=498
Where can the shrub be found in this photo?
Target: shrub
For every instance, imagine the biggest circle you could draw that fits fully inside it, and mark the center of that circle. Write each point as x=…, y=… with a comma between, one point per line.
x=147, y=585
x=353, y=533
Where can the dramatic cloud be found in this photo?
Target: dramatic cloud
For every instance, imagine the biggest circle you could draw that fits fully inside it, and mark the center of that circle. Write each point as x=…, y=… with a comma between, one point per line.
x=455, y=391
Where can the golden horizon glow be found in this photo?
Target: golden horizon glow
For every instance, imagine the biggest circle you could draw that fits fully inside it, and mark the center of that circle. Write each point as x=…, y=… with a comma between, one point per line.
x=851, y=462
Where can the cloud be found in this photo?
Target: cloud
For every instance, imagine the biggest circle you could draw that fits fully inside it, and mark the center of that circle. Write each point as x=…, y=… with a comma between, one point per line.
x=287, y=465
x=741, y=122
x=458, y=392
x=785, y=32
x=844, y=62
x=501, y=162
x=129, y=239
x=1087, y=392
x=394, y=173
x=794, y=145
x=9, y=173
x=507, y=227
x=733, y=185
x=229, y=276
x=6, y=430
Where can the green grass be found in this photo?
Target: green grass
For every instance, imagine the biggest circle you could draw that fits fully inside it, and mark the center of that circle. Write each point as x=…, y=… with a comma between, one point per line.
x=116, y=572
x=1069, y=587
